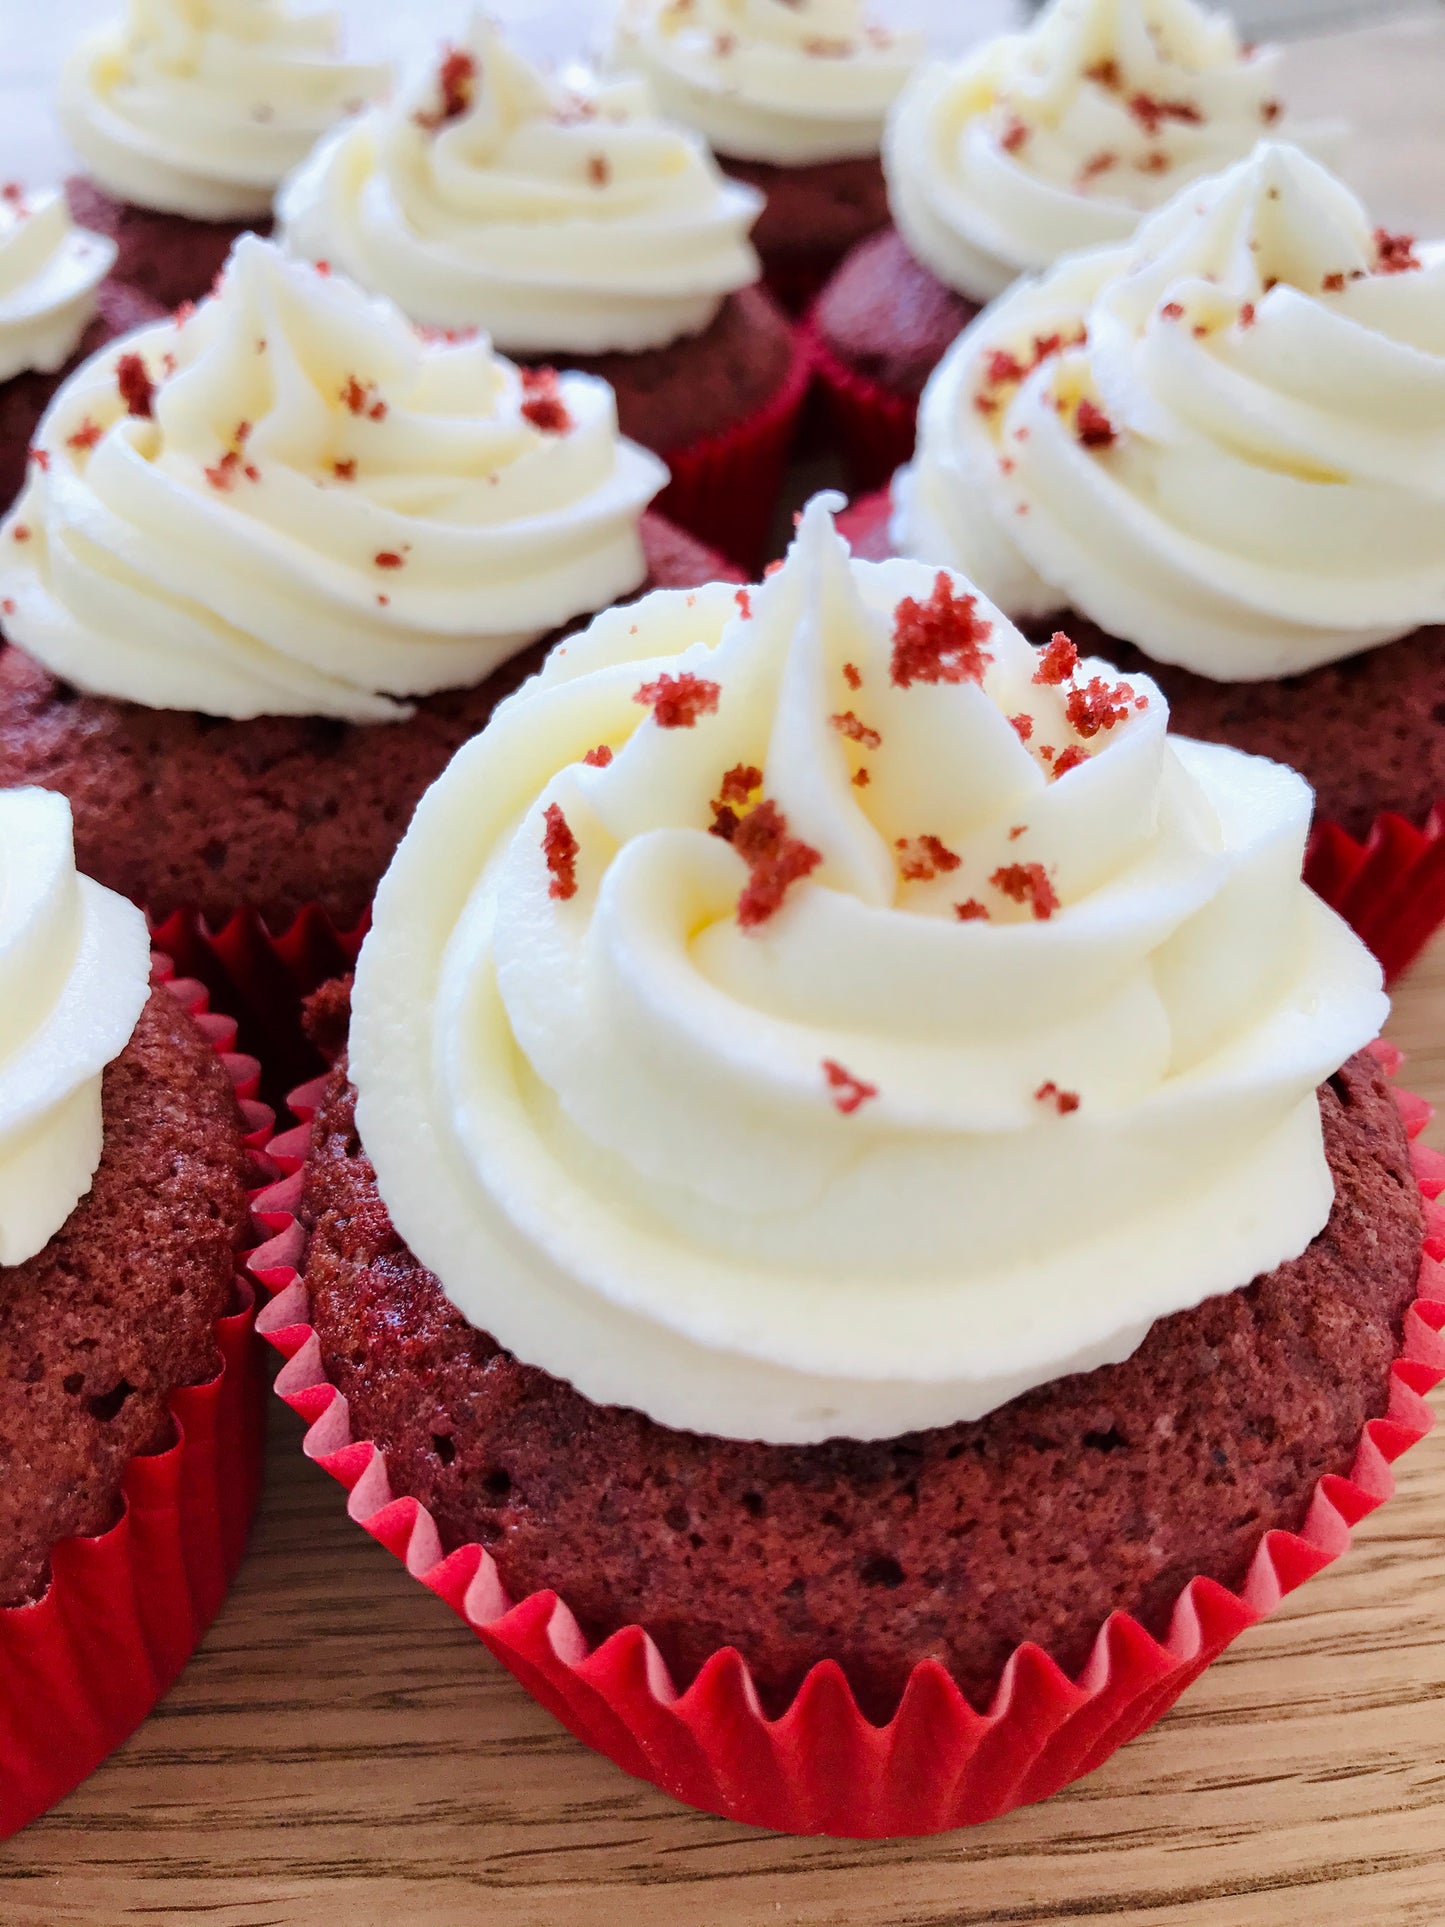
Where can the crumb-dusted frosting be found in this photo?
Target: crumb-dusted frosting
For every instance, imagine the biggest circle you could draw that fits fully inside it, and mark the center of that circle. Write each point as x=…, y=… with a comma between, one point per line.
x=292, y=502
x=74, y=977
x=202, y=107
x=1224, y=443
x=49, y=272
x=789, y=82
x=783, y=1106
x=1065, y=136
x=556, y=215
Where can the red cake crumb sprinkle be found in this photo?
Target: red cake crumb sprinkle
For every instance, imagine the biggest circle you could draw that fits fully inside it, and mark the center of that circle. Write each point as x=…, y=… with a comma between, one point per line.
x=1058, y=661
x=1151, y=112
x=940, y=640
x=1023, y=724
x=388, y=559
x=323, y=268
x=544, y=407
x=745, y=604
x=1094, y=428
x=1018, y=830
x=1156, y=161
x=1098, y=706
x=861, y=779
x=1071, y=759
x=1014, y=135
x=1096, y=165
x=1104, y=73
x=826, y=46
x=924, y=857
x=14, y=193
x=7, y=607
x=222, y=475
x=133, y=380
x=1334, y=284
x=1027, y=883
x=724, y=44
x=1395, y=253
x=1247, y=315
x=1270, y=111
x=856, y=730
x=384, y=601
x=775, y=859
x=20, y=533
x=1001, y=367
x=1046, y=752
x=598, y=758
x=251, y=472
x=456, y=89
x=345, y=471
x=852, y=675
x=599, y=170
x=677, y=701
x=740, y=781
x=183, y=313
x=41, y=459
x=1173, y=311
x=1063, y=1101
x=971, y=911
x=360, y=398
x=560, y=848
x=849, y=1092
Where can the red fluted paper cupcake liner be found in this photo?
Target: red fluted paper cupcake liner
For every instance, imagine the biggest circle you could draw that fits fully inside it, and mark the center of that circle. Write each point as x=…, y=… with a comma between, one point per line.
x=725, y=488
x=1390, y=889
x=81, y=1666
x=822, y=1767
x=872, y=426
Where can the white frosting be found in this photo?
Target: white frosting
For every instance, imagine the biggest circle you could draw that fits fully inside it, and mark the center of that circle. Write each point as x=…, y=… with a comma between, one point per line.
x=74, y=977
x=49, y=272
x=560, y=219
x=606, y=1120
x=1063, y=137
x=323, y=512
x=786, y=81
x=201, y=107
x=1274, y=493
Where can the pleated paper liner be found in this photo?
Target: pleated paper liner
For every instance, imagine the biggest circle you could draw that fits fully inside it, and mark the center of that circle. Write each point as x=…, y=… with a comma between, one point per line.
x=871, y=426
x=83, y=1665
x=822, y=1767
x=1390, y=889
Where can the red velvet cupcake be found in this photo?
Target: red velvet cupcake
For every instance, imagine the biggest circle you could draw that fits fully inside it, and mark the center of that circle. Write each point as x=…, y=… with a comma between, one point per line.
x=1033, y=145
x=128, y=1426
x=577, y=230
x=187, y=117
x=792, y=100
x=703, y=1229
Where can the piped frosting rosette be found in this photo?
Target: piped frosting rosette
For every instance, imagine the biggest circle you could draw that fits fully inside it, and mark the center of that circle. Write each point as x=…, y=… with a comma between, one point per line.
x=1224, y=443
x=558, y=217
x=767, y=80
x=202, y=107
x=291, y=502
x=1063, y=137
x=74, y=977
x=49, y=272
x=811, y=1010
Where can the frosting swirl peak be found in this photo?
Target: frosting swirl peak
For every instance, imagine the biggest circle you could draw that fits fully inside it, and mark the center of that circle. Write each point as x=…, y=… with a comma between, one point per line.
x=49, y=272
x=292, y=503
x=74, y=977
x=810, y=1010
x=558, y=217
x=1224, y=443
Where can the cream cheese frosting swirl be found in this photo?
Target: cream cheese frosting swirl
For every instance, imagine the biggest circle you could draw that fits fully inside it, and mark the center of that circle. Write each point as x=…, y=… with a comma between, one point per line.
x=559, y=218
x=291, y=503
x=790, y=82
x=49, y=272
x=1063, y=137
x=74, y=977
x=202, y=107
x=784, y=1101
x=1225, y=443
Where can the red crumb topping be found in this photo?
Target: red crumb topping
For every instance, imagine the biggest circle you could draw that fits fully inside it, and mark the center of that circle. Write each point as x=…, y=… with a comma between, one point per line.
x=1070, y=759
x=7, y=607
x=677, y=701
x=1096, y=165
x=133, y=380
x=773, y=567
x=971, y=911
x=560, y=847
x=740, y=781
x=1046, y=751
x=775, y=859
x=1001, y=367
x=456, y=89
x=1172, y=310
x=1156, y=161
x=544, y=407
x=345, y=471
x=183, y=313
x=1151, y=112
x=1395, y=253
x=41, y=459
x=852, y=675
x=1018, y=830
x=1093, y=426
x=745, y=604
x=855, y=730
x=251, y=472
x=826, y=46
x=1014, y=135
x=921, y=858
x=222, y=474
x=1058, y=661
x=1062, y=1101
x=1270, y=111
x=861, y=779
x=1023, y=724
x=323, y=268
x=1334, y=284
x=598, y=758
x=848, y=1091
x=599, y=170
x=940, y=640
x=388, y=559
x=1246, y=315
x=384, y=600
x=1027, y=883
x=14, y=193
x=20, y=533
x=1104, y=72
x=1097, y=705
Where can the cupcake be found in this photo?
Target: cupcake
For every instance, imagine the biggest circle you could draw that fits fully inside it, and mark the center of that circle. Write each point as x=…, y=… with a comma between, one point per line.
x=281, y=558
x=791, y=95
x=857, y=1162
x=578, y=231
x=187, y=115
x=1032, y=146
x=1212, y=452
x=127, y=1419
x=57, y=305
